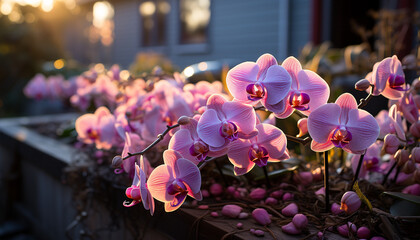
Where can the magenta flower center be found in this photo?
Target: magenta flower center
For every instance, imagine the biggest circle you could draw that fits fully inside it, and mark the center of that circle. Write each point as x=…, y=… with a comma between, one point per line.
x=176, y=187
x=199, y=150
x=229, y=130
x=396, y=82
x=258, y=155
x=299, y=100
x=256, y=91
x=341, y=137
x=92, y=134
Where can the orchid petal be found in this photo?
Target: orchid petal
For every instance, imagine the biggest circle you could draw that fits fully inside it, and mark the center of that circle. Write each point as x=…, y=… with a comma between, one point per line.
x=170, y=158
x=392, y=94
x=243, y=115
x=264, y=62
x=363, y=128
x=192, y=128
x=346, y=102
x=287, y=111
x=323, y=121
x=215, y=102
x=396, y=66
x=293, y=67
x=208, y=129
x=321, y=147
x=275, y=108
x=84, y=123
x=277, y=83
x=273, y=139
x=239, y=77
x=175, y=203
x=158, y=182
x=238, y=153
x=181, y=141
x=241, y=171
x=316, y=87
x=380, y=76
x=189, y=173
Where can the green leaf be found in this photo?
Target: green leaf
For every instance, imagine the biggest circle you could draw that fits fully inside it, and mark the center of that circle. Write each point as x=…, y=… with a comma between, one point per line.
x=404, y=196
x=277, y=173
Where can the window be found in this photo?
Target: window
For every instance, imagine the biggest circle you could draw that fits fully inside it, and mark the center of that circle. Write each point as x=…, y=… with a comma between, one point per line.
x=194, y=21
x=153, y=21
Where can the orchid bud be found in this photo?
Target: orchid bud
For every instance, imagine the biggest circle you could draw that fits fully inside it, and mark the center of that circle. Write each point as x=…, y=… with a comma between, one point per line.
x=239, y=225
x=416, y=176
x=401, y=157
x=117, y=161
x=350, y=202
x=216, y=189
x=261, y=216
x=231, y=210
x=305, y=178
x=290, y=210
x=214, y=214
x=335, y=209
x=243, y=215
x=184, y=120
x=415, y=129
x=363, y=232
x=343, y=230
x=231, y=190
x=133, y=192
x=257, y=194
x=290, y=228
x=362, y=85
x=391, y=144
x=300, y=221
x=271, y=201
x=409, y=167
x=302, y=124
x=288, y=196
x=277, y=194
x=415, y=154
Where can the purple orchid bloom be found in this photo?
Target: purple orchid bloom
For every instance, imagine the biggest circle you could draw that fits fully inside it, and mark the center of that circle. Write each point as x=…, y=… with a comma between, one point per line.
x=371, y=160
x=173, y=181
x=224, y=122
x=36, y=87
x=308, y=90
x=138, y=191
x=391, y=122
x=190, y=146
x=388, y=78
x=342, y=124
x=97, y=128
x=268, y=146
x=264, y=81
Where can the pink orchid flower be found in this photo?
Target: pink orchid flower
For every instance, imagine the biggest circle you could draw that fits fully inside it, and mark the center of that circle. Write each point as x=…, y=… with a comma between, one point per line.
x=139, y=191
x=388, y=78
x=371, y=160
x=391, y=122
x=173, y=181
x=342, y=124
x=97, y=128
x=264, y=81
x=190, y=146
x=268, y=146
x=36, y=87
x=133, y=143
x=308, y=90
x=408, y=107
x=224, y=122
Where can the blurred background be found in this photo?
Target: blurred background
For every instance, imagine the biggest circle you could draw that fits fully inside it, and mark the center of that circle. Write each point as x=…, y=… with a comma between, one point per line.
x=339, y=39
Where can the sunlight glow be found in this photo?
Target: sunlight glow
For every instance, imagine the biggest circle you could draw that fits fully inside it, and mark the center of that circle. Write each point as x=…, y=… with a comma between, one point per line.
x=188, y=72
x=6, y=7
x=102, y=11
x=47, y=5
x=59, y=63
x=147, y=8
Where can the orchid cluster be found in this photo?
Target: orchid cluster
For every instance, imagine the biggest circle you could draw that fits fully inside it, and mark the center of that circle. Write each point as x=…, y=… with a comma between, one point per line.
x=199, y=123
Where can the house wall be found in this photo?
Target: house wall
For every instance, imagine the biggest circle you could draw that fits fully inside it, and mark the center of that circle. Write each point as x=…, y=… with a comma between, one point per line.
x=239, y=30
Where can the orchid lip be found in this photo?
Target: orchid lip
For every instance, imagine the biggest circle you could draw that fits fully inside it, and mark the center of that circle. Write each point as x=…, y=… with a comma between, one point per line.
x=199, y=150
x=256, y=91
x=341, y=137
x=176, y=187
x=396, y=81
x=229, y=130
x=298, y=100
x=258, y=155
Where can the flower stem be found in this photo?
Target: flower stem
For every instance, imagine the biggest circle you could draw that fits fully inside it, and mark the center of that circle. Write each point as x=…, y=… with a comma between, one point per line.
x=326, y=184
x=159, y=138
x=266, y=177
x=303, y=141
x=388, y=173
x=359, y=165
x=396, y=174
x=364, y=101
